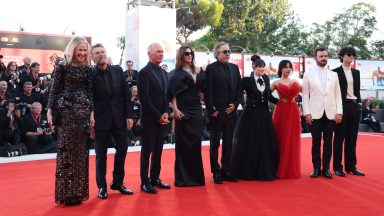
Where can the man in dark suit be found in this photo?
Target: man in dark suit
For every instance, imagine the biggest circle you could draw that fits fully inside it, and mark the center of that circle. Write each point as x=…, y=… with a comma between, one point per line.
x=113, y=116
x=346, y=132
x=131, y=75
x=152, y=86
x=223, y=95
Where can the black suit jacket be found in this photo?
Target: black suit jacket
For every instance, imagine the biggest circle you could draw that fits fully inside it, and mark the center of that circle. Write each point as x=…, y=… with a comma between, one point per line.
x=254, y=96
x=343, y=83
x=111, y=105
x=152, y=94
x=221, y=90
x=366, y=114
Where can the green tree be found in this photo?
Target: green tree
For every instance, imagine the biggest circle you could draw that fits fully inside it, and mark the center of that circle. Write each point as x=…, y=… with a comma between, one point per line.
x=353, y=27
x=121, y=45
x=205, y=13
x=243, y=21
x=378, y=48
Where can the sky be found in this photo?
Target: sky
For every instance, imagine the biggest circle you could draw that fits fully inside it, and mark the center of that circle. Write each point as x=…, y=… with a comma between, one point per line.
x=104, y=20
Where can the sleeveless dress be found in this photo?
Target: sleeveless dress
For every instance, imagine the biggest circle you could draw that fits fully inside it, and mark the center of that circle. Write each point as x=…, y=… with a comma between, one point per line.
x=286, y=119
x=188, y=164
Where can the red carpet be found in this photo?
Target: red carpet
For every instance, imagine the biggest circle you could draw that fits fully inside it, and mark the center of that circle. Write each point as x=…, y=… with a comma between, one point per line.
x=27, y=188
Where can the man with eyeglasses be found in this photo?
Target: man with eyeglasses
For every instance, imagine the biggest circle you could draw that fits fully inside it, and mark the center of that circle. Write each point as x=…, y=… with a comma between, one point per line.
x=346, y=131
x=223, y=95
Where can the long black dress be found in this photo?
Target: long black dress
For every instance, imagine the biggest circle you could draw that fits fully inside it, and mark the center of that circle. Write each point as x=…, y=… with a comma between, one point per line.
x=255, y=154
x=188, y=131
x=72, y=96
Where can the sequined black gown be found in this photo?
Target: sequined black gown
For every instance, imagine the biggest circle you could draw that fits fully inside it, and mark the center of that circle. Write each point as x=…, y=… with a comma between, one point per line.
x=72, y=96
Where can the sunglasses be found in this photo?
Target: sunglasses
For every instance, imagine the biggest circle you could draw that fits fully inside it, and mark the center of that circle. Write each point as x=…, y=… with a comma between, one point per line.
x=351, y=54
x=189, y=53
x=226, y=52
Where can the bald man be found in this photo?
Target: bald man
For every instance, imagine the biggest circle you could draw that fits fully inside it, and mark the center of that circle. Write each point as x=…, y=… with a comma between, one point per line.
x=152, y=86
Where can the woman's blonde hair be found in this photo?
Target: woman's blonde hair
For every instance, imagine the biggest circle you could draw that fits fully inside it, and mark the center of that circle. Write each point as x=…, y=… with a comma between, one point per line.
x=70, y=50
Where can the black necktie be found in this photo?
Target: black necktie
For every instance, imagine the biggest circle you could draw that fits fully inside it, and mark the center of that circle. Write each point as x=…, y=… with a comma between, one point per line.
x=260, y=81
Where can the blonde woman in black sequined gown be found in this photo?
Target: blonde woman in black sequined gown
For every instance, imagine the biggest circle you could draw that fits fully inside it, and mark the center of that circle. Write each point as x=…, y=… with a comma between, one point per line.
x=72, y=98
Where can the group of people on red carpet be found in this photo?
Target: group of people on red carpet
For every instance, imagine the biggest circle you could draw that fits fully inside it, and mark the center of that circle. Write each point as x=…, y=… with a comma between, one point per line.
x=259, y=145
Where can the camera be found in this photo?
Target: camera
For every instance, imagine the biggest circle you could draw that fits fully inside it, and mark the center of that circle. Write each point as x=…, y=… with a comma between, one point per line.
x=22, y=106
x=45, y=127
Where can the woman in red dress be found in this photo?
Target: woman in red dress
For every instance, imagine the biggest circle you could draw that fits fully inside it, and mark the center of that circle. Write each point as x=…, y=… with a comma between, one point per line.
x=286, y=119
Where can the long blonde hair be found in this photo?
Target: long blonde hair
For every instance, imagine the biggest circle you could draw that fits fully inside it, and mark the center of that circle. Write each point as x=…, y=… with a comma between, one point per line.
x=70, y=50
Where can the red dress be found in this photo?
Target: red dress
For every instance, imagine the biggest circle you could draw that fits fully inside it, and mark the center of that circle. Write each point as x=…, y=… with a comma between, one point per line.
x=286, y=119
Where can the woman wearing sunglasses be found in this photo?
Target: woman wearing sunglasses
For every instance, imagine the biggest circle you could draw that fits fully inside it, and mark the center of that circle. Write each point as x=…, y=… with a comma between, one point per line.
x=185, y=90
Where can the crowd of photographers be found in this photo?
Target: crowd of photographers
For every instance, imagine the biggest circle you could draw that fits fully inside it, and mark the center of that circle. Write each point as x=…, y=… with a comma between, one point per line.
x=24, y=93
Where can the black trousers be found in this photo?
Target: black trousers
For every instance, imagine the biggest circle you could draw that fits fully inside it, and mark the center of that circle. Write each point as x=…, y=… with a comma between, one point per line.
x=102, y=141
x=41, y=144
x=221, y=127
x=322, y=127
x=346, y=132
x=375, y=126
x=151, y=142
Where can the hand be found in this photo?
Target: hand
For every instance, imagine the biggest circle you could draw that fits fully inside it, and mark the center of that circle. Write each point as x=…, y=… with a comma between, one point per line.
x=92, y=120
x=338, y=118
x=164, y=119
x=308, y=119
x=2, y=102
x=49, y=116
x=138, y=123
x=178, y=115
x=129, y=124
x=215, y=114
x=230, y=108
x=39, y=132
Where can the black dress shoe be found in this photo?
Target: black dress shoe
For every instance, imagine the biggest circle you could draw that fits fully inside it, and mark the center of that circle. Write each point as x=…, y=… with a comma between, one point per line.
x=147, y=188
x=327, y=174
x=355, y=172
x=160, y=184
x=340, y=173
x=217, y=178
x=315, y=173
x=122, y=189
x=102, y=193
x=228, y=177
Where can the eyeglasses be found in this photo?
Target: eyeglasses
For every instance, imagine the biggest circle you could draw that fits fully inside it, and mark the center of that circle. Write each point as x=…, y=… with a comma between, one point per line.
x=226, y=52
x=351, y=54
x=189, y=53
x=13, y=65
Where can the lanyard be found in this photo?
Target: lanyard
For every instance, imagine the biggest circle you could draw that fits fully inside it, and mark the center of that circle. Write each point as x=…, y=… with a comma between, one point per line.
x=37, y=120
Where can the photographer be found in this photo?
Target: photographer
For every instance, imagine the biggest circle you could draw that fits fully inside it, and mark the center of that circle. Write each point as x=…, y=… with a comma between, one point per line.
x=26, y=98
x=368, y=118
x=131, y=75
x=34, y=77
x=44, y=92
x=26, y=67
x=4, y=94
x=2, y=66
x=9, y=130
x=11, y=76
x=37, y=132
x=135, y=133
